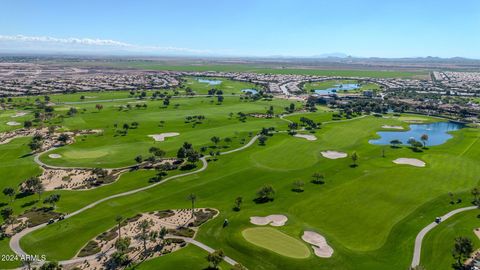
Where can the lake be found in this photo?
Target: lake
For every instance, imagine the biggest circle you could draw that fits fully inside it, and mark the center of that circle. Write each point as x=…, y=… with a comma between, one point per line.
x=437, y=133
x=338, y=88
x=211, y=82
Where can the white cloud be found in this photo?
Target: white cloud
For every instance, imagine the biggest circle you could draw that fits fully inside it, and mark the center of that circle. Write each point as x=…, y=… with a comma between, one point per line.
x=19, y=42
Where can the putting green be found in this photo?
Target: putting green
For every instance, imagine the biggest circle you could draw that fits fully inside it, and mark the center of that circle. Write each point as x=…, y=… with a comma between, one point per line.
x=276, y=241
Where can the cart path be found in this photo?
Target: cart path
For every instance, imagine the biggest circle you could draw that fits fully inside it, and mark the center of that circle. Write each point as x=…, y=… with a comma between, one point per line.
x=418, y=240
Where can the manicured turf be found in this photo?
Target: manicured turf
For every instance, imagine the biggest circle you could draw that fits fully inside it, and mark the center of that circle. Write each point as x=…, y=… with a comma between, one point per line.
x=438, y=243
x=370, y=214
x=276, y=241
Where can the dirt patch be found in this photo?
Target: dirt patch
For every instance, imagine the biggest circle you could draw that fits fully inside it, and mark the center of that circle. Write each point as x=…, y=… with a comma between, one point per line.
x=306, y=136
x=333, y=154
x=410, y=161
x=175, y=222
x=273, y=220
x=161, y=137
x=319, y=244
x=77, y=179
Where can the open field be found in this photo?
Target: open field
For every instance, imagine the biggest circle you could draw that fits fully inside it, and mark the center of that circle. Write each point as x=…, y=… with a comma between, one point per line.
x=369, y=214
x=259, y=68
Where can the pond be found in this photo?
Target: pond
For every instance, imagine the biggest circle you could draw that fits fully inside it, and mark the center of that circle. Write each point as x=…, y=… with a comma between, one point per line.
x=211, y=82
x=251, y=91
x=338, y=88
x=437, y=133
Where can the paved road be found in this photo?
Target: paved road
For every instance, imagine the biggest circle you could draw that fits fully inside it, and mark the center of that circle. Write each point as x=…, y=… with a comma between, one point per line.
x=418, y=240
x=205, y=247
x=15, y=240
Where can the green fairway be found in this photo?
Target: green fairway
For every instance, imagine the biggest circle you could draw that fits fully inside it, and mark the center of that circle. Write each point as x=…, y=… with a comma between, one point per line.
x=369, y=214
x=276, y=241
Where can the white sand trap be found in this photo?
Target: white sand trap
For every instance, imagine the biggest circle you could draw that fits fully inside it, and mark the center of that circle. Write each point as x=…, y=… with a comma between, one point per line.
x=392, y=127
x=274, y=220
x=477, y=232
x=54, y=156
x=319, y=244
x=19, y=114
x=410, y=161
x=306, y=136
x=333, y=154
x=161, y=137
x=13, y=123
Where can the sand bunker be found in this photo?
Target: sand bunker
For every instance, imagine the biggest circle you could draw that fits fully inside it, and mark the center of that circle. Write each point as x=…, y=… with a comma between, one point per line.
x=273, y=220
x=333, y=154
x=319, y=244
x=410, y=161
x=54, y=156
x=19, y=114
x=161, y=137
x=392, y=127
x=306, y=136
x=13, y=123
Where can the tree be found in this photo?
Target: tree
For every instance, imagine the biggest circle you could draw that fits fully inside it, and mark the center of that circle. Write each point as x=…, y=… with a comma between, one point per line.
x=354, y=159
x=193, y=198
x=52, y=199
x=238, y=203
x=157, y=152
x=63, y=138
x=35, y=145
x=424, y=139
x=318, y=178
x=395, y=143
x=298, y=186
x=10, y=192
x=215, y=140
x=27, y=124
x=144, y=226
x=262, y=139
x=265, y=194
x=414, y=143
x=119, y=220
x=475, y=192
x=139, y=159
x=6, y=212
x=122, y=244
x=39, y=189
x=215, y=258
x=462, y=249
x=50, y=266
x=99, y=107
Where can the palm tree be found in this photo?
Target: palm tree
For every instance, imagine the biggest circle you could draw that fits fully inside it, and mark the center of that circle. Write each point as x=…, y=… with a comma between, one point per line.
x=119, y=220
x=192, y=197
x=424, y=139
x=354, y=158
x=144, y=226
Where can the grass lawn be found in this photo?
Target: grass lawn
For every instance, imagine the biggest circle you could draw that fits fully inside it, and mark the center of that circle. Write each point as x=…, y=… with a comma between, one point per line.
x=369, y=214
x=276, y=241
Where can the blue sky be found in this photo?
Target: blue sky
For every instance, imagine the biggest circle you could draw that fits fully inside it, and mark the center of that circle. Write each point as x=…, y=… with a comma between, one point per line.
x=366, y=28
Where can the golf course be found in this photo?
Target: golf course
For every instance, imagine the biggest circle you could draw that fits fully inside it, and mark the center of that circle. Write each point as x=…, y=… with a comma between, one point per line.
x=250, y=162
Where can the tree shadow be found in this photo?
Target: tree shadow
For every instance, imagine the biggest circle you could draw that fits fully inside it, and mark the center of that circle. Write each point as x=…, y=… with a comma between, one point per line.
x=30, y=203
x=261, y=200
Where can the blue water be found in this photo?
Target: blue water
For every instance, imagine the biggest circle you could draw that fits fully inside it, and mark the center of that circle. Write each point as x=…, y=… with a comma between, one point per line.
x=338, y=88
x=437, y=133
x=211, y=82
x=251, y=91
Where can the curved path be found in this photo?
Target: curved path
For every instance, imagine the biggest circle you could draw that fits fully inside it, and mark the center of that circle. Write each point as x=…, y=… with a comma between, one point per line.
x=15, y=240
x=418, y=240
